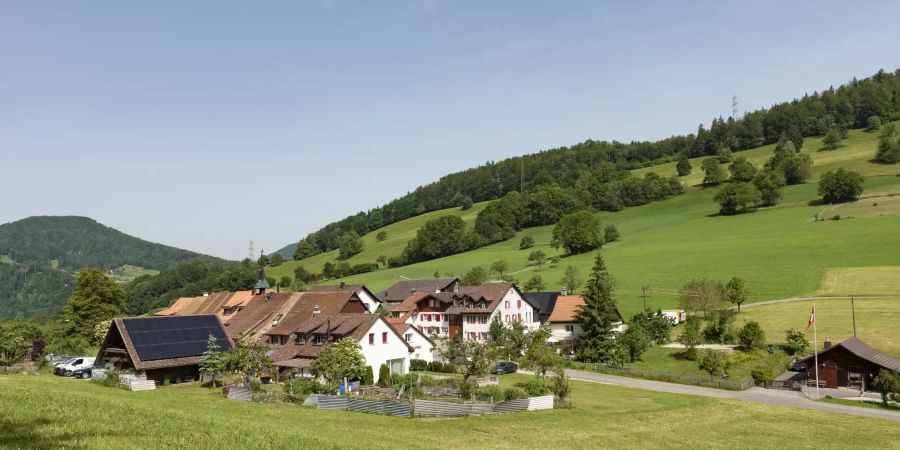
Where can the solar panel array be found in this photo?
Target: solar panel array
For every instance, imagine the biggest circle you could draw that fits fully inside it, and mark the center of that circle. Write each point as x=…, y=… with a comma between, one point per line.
x=174, y=337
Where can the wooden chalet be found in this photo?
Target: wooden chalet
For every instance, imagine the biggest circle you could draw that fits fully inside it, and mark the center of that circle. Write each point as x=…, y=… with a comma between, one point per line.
x=850, y=364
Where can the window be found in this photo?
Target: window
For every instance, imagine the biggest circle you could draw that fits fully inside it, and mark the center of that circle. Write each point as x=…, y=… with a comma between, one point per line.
x=445, y=330
x=408, y=337
x=519, y=317
x=371, y=338
x=395, y=314
x=384, y=338
x=426, y=317
x=319, y=340
x=470, y=319
x=300, y=339
x=482, y=319
x=482, y=336
x=437, y=317
x=570, y=328
x=507, y=304
x=518, y=303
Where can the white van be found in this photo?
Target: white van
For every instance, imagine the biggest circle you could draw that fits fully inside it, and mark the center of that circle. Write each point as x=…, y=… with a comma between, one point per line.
x=76, y=364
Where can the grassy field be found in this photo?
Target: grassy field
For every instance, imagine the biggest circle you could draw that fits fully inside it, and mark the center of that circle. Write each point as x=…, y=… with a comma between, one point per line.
x=861, y=281
x=5, y=259
x=866, y=207
x=877, y=320
x=48, y=412
x=670, y=360
x=128, y=272
x=398, y=234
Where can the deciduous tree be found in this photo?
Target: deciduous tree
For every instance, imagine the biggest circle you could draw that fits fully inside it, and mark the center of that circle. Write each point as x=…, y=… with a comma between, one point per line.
x=840, y=186
x=578, y=233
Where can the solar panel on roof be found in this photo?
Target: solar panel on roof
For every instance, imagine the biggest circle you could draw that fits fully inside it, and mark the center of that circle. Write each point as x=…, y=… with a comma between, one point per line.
x=174, y=337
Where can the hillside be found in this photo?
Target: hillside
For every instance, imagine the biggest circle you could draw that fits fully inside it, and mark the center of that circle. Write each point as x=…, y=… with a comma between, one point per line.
x=779, y=250
x=40, y=254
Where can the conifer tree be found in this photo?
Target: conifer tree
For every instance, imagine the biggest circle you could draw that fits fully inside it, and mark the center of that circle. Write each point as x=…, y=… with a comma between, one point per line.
x=598, y=315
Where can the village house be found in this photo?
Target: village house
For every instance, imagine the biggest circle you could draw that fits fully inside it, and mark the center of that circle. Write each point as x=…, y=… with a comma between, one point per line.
x=222, y=304
x=379, y=341
x=362, y=292
x=265, y=312
x=564, y=325
x=401, y=290
x=166, y=349
x=850, y=363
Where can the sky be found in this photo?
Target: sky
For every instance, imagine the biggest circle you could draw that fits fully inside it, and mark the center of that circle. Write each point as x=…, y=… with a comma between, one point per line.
x=204, y=125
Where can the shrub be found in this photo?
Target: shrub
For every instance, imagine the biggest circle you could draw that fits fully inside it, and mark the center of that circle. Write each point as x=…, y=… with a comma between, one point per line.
x=888, y=383
x=494, y=392
x=110, y=380
x=752, y=336
x=418, y=365
x=526, y=243
x=610, y=233
x=384, y=376
x=514, y=393
x=795, y=342
x=368, y=377
x=536, y=387
x=307, y=386
x=762, y=375
x=840, y=186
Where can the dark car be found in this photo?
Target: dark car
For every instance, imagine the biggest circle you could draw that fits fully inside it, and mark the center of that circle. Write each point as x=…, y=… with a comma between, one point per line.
x=798, y=365
x=503, y=367
x=84, y=372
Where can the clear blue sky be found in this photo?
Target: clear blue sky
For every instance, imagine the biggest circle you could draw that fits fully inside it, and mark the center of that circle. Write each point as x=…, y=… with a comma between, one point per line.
x=206, y=124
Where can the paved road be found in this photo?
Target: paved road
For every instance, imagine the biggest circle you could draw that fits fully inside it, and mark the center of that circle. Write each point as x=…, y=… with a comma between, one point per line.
x=804, y=299
x=757, y=395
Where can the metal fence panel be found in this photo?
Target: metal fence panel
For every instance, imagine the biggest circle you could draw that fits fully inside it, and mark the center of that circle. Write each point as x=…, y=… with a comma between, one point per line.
x=311, y=400
x=538, y=403
x=332, y=402
x=511, y=406
x=432, y=408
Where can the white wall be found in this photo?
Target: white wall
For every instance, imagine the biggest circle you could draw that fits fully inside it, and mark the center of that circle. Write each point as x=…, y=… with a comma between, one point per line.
x=558, y=331
x=476, y=327
x=370, y=302
x=518, y=308
x=424, y=349
x=380, y=353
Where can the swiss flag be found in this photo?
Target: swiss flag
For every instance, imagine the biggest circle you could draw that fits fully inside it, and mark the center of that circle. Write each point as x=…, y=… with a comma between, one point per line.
x=812, y=317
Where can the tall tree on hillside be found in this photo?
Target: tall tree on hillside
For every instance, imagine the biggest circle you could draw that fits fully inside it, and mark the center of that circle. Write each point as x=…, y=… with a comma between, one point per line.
x=841, y=186
x=571, y=279
x=474, y=277
x=700, y=296
x=96, y=298
x=349, y=244
x=769, y=183
x=598, y=315
x=534, y=284
x=304, y=250
x=742, y=170
x=499, y=267
x=712, y=172
x=683, y=166
x=578, y=233
x=832, y=139
x=736, y=292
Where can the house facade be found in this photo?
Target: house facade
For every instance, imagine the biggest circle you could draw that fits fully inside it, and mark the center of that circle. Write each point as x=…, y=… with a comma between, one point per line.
x=563, y=320
x=850, y=364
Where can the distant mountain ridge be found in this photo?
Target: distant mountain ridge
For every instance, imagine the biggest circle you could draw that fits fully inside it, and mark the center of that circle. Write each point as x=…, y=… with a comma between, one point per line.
x=39, y=254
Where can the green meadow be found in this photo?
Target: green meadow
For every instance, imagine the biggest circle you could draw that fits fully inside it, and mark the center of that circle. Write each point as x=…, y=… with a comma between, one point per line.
x=43, y=412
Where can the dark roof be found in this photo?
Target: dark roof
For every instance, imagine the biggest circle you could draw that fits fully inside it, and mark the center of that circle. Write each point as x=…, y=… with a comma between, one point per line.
x=157, y=342
x=338, y=326
x=492, y=291
x=346, y=287
x=864, y=351
x=402, y=289
x=256, y=313
x=331, y=302
x=542, y=301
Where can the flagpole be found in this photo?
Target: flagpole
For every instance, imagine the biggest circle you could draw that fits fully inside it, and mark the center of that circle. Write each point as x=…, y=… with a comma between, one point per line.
x=816, y=349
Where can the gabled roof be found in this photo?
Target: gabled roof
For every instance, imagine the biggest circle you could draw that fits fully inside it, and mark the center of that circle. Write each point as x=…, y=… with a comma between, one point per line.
x=492, y=291
x=345, y=287
x=864, y=351
x=159, y=342
x=337, y=326
x=239, y=298
x=257, y=314
x=308, y=304
x=403, y=327
x=542, y=301
x=404, y=288
x=176, y=307
x=567, y=307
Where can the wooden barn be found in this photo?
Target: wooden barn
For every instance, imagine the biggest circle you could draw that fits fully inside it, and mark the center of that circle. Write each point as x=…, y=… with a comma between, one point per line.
x=850, y=364
x=164, y=348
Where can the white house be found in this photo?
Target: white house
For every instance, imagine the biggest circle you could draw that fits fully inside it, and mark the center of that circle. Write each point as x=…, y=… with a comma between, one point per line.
x=423, y=346
x=379, y=341
x=490, y=300
x=564, y=324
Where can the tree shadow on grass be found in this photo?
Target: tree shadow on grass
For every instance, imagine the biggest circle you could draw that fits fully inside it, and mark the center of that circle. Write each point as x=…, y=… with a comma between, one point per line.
x=15, y=433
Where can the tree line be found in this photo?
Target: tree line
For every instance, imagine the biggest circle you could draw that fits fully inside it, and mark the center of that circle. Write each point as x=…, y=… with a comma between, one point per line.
x=848, y=106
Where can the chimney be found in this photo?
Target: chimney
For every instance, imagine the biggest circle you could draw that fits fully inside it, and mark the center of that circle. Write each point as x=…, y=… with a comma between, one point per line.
x=343, y=284
x=412, y=291
x=564, y=292
x=827, y=344
x=206, y=294
x=316, y=311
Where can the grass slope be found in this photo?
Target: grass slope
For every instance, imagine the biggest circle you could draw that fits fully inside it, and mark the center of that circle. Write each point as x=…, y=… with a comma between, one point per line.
x=47, y=412
x=398, y=234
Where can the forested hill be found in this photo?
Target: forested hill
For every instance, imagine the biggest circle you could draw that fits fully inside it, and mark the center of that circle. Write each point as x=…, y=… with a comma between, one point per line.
x=848, y=106
x=38, y=256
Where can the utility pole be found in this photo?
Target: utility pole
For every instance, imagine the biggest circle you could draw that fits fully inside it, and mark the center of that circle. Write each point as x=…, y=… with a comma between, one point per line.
x=644, y=288
x=853, y=313
x=734, y=107
x=250, y=253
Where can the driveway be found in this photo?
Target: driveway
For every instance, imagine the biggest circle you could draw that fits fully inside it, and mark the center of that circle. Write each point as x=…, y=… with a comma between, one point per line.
x=755, y=394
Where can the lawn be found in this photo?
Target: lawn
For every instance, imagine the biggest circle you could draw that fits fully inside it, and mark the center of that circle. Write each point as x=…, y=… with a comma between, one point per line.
x=877, y=320
x=671, y=361
x=41, y=411
x=861, y=281
x=866, y=207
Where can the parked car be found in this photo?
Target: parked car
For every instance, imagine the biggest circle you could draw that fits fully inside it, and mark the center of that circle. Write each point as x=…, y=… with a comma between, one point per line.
x=58, y=366
x=503, y=367
x=79, y=363
x=83, y=372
